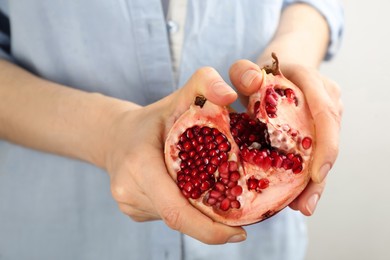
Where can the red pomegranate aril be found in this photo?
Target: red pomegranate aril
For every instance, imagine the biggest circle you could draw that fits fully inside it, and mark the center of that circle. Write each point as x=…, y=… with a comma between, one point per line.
x=187, y=146
x=220, y=139
x=267, y=163
x=220, y=187
x=252, y=183
x=234, y=176
x=223, y=157
x=195, y=194
x=236, y=191
x=211, y=168
x=225, y=204
x=206, y=130
x=233, y=166
x=224, y=147
x=272, y=100
x=224, y=175
x=306, y=143
x=297, y=169
x=215, y=194
x=231, y=184
x=205, y=186
x=235, y=204
x=224, y=181
x=188, y=187
x=263, y=183
x=212, y=201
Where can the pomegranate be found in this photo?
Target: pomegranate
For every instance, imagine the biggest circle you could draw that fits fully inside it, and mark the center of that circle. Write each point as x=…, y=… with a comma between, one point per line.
x=241, y=168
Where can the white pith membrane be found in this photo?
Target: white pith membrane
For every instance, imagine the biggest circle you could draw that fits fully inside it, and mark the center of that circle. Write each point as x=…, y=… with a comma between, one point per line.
x=286, y=131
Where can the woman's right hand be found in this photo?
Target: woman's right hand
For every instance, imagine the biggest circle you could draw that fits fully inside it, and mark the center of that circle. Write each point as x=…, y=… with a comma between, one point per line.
x=134, y=159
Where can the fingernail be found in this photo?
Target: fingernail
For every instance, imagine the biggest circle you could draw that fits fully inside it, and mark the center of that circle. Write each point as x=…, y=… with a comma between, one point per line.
x=248, y=77
x=222, y=89
x=323, y=172
x=237, y=238
x=312, y=203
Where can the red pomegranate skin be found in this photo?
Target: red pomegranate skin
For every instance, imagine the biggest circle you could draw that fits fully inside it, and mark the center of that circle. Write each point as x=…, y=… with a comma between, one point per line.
x=242, y=168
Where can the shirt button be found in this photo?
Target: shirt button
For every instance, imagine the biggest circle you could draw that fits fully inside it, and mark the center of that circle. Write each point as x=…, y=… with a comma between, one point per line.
x=173, y=27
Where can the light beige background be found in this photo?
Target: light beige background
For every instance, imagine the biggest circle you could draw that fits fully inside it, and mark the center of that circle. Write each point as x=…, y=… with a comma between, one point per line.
x=353, y=219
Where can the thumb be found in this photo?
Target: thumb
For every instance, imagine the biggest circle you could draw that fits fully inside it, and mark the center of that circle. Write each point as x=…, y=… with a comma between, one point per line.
x=207, y=82
x=246, y=76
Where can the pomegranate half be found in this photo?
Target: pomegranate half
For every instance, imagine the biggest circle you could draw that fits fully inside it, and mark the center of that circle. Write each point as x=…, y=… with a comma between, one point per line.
x=241, y=168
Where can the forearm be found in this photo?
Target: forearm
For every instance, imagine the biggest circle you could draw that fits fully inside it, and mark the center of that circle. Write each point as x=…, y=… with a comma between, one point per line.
x=50, y=117
x=302, y=37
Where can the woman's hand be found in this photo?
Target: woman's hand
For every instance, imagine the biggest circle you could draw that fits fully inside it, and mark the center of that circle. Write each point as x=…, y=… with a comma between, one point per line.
x=323, y=97
x=140, y=182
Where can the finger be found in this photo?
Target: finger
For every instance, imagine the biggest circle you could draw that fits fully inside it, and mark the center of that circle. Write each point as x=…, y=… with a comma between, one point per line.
x=246, y=76
x=137, y=214
x=307, y=201
x=126, y=191
x=326, y=120
x=180, y=215
x=207, y=82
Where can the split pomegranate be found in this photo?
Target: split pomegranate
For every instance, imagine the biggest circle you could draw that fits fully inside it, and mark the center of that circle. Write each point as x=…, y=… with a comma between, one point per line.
x=241, y=168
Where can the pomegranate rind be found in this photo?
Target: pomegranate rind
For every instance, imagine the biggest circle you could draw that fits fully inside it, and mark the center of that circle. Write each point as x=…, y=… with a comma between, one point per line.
x=292, y=124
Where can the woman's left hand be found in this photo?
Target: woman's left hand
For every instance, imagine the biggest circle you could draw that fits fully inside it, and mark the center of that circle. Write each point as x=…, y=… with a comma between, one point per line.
x=323, y=98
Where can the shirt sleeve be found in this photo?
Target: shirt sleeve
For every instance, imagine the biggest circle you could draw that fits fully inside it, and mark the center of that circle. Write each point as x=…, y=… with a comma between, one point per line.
x=333, y=12
x=5, y=33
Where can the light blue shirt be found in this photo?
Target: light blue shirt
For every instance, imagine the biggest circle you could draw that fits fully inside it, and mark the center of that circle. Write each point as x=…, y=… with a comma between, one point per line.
x=57, y=208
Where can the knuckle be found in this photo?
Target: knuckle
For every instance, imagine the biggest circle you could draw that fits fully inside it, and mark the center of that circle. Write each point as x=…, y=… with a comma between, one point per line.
x=203, y=71
x=119, y=192
x=172, y=218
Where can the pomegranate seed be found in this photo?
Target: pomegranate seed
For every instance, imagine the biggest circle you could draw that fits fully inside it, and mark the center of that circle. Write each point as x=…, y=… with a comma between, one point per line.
x=221, y=139
x=206, y=130
x=225, y=204
x=183, y=156
x=224, y=175
x=233, y=166
x=306, y=143
x=215, y=160
x=223, y=168
x=203, y=176
x=223, y=157
x=195, y=194
x=232, y=184
x=252, y=183
x=188, y=187
x=234, y=176
x=235, y=204
x=258, y=159
x=236, y=190
x=263, y=183
x=271, y=100
x=215, y=194
x=287, y=164
x=211, y=168
x=267, y=162
x=205, y=186
x=208, y=139
x=197, y=182
x=219, y=187
x=211, y=201
x=181, y=184
x=225, y=181
x=222, y=198
x=224, y=147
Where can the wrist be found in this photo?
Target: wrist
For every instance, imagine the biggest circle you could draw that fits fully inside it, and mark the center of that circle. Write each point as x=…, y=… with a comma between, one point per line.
x=100, y=135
